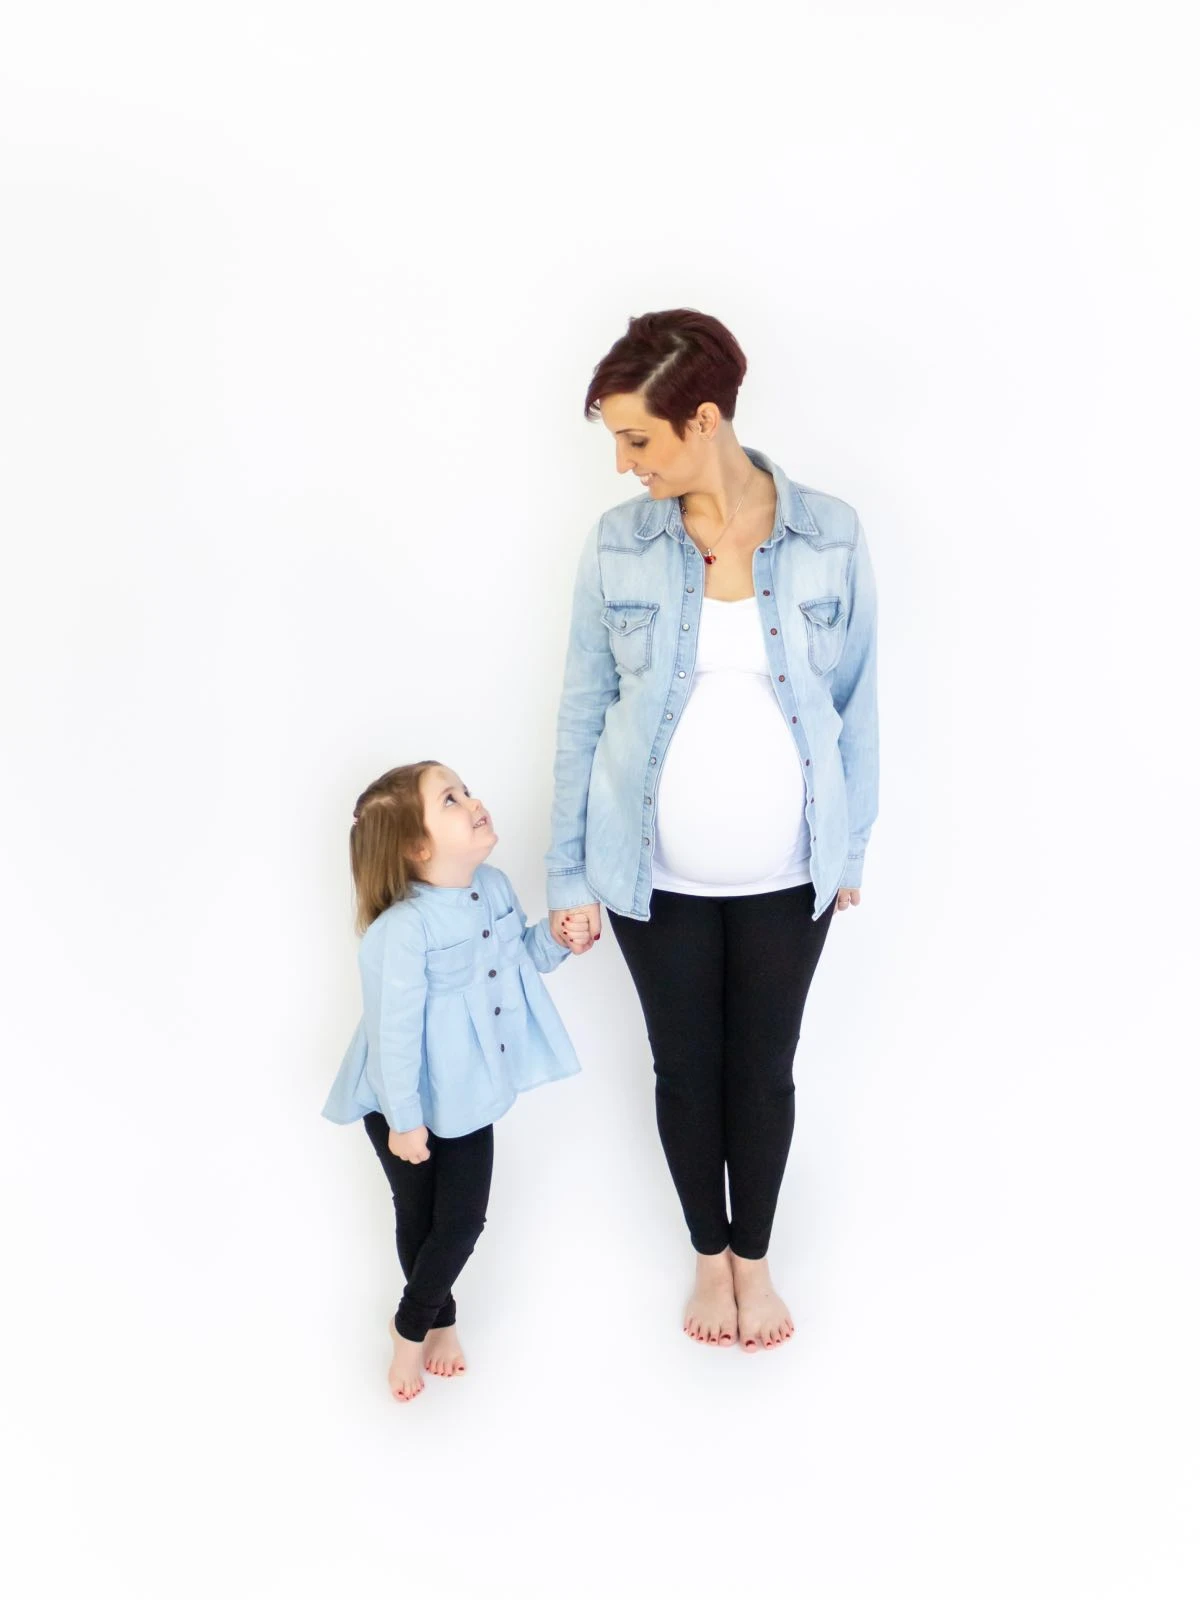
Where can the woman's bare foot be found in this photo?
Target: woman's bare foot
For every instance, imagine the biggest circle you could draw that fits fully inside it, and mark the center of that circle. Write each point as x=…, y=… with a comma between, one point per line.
x=443, y=1353
x=762, y=1318
x=710, y=1316
x=404, y=1374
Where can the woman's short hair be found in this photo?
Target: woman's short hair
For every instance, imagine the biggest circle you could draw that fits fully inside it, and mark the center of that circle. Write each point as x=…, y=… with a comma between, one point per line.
x=675, y=360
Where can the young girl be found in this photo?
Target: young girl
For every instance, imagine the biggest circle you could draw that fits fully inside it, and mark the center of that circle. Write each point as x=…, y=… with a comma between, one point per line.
x=456, y=1022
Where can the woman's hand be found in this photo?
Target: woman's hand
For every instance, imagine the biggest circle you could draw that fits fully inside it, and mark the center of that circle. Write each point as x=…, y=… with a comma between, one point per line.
x=576, y=930
x=410, y=1146
x=847, y=897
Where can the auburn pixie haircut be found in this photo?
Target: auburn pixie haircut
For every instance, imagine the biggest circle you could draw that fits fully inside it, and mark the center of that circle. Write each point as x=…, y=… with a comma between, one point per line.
x=675, y=360
x=388, y=830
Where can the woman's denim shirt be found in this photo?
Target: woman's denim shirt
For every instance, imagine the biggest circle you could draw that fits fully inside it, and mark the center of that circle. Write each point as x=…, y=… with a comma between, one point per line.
x=634, y=625
x=456, y=1019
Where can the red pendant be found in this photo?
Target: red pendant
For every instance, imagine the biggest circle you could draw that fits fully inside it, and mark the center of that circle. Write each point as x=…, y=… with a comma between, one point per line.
x=710, y=559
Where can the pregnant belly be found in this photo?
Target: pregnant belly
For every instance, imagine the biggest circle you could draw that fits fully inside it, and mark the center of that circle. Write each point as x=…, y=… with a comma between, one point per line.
x=731, y=796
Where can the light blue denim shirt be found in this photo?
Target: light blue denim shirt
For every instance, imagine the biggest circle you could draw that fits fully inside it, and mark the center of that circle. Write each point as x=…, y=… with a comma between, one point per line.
x=456, y=1019
x=634, y=626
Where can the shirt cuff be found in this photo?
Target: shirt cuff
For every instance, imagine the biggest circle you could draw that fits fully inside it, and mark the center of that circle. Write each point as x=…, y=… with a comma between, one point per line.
x=566, y=890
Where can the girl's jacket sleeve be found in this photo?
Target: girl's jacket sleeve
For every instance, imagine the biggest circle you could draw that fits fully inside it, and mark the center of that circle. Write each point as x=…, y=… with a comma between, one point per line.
x=392, y=968
x=545, y=954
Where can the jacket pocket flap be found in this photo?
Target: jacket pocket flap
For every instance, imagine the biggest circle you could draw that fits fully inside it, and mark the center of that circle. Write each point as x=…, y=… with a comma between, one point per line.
x=825, y=613
x=627, y=619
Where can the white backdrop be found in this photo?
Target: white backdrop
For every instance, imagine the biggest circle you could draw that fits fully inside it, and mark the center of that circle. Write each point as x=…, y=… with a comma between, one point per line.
x=299, y=306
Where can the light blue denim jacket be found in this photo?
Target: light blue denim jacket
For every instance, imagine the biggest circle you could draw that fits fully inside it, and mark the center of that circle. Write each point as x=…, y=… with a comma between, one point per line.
x=456, y=1019
x=634, y=626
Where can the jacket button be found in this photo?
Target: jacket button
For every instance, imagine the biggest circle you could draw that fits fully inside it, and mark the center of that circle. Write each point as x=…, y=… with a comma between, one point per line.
x=691, y=589
x=645, y=841
x=774, y=631
x=497, y=1010
x=766, y=591
x=683, y=674
x=806, y=763
x=782, y=679
x=653, y=761
x=670, y=716
x=487, y=933
x=647, y=801
x=501, y=1049
x=474, y=896
x=492, y=973
x=687, y=627
x=623, y=622
x=762, y=549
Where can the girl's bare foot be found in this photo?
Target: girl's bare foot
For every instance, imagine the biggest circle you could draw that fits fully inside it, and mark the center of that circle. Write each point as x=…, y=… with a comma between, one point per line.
x=710, y=1316
x=443, y=1353
x=404, y=1374
x=762, y=1318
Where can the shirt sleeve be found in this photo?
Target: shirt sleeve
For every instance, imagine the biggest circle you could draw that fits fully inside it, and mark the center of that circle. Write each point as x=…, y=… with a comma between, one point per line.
x=539, y=942
x=590, y=685
x=392, y=968
x=853, y=688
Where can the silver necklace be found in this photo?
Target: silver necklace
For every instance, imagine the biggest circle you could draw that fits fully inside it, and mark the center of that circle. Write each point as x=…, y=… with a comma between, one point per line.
x=709, y=558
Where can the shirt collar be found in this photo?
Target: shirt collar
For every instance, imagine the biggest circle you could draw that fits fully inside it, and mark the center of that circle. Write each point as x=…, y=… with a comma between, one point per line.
x=791, y=513
x=447, y=891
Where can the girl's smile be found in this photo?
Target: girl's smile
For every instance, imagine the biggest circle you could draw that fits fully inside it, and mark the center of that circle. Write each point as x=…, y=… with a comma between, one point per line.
x=458, y=826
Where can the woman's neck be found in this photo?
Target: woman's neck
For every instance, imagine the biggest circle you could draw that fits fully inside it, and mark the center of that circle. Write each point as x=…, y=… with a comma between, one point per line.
x=727, y=479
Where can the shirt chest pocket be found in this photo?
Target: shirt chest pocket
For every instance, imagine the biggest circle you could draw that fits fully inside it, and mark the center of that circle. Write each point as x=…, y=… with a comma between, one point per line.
x=450, y=967
x=825, y=624
x=630, y=631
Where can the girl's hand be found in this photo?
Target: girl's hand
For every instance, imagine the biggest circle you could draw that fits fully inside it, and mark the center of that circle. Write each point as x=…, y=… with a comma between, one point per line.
x=576, y=930
x=847, y=897
x=410, y=1146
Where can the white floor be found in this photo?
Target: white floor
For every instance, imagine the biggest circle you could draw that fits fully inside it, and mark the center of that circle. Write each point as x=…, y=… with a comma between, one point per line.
x=991, y=1390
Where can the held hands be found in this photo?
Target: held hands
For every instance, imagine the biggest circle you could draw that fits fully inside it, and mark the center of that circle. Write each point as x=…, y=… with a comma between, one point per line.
x=411, y=1146
x=576, y=930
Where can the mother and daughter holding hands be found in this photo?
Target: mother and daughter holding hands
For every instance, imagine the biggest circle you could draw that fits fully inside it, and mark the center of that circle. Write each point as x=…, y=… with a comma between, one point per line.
x=715, y=784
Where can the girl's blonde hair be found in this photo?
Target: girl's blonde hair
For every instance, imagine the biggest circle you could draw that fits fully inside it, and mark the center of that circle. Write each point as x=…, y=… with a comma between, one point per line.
x=387, y=832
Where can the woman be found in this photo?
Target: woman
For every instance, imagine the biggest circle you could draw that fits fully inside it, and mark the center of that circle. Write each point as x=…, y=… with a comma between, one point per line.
x=715, y=778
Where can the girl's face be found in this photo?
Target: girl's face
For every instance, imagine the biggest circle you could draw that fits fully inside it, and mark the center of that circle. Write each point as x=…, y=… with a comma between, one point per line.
x=649, y=446
x=458, y=824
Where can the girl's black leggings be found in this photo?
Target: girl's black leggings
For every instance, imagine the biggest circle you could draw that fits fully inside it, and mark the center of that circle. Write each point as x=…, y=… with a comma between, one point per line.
x=722, y=983
x=441, y=1207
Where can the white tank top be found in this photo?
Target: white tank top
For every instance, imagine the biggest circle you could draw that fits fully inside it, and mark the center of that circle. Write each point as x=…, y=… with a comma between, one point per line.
x=731, y=795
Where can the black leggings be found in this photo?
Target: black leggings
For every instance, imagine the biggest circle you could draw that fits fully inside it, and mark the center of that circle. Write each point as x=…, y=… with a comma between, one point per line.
x=441, y=1207
x=722, y=983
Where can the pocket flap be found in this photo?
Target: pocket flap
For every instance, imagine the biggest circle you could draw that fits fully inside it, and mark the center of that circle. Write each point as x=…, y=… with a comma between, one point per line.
x=627, y=619
x=509, y=925
x=825, y=613
x=453, y=961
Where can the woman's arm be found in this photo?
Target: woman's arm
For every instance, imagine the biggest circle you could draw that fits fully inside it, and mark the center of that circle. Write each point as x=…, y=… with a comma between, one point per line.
x=590, y=686
x=852, y=686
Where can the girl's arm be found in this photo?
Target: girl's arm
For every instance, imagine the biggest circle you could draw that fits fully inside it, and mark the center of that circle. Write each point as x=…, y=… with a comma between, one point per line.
x=540, y=944
x=392, y=967
x=590, y=685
